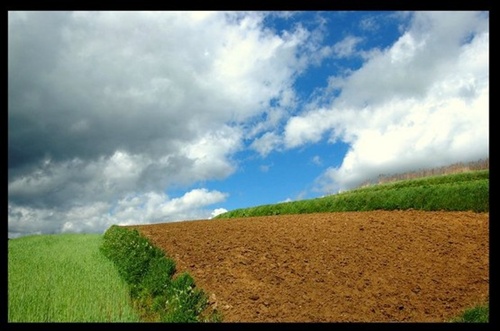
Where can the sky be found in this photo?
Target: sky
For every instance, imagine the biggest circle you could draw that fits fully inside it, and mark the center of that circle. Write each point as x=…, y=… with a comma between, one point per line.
x=135, y=117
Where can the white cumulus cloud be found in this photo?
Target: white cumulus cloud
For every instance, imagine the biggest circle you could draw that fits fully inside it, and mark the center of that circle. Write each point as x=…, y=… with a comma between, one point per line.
x=423, y=102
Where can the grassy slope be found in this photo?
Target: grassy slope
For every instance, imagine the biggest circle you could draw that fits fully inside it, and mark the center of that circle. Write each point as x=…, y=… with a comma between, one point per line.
x=454, y=192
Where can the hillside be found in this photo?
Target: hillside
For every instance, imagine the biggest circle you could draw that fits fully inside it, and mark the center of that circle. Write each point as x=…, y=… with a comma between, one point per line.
x=405, y=251
x=373, y=266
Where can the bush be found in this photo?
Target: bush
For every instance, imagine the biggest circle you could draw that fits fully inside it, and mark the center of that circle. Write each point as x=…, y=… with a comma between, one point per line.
x=129, y=251
x=149, y=274
x=184, y=301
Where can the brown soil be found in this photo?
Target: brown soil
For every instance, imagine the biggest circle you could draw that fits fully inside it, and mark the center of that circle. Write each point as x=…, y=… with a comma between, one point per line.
x=379, y=266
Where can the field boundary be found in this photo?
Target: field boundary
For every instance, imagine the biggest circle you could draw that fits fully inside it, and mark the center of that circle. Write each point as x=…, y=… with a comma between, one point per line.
x=453, y=192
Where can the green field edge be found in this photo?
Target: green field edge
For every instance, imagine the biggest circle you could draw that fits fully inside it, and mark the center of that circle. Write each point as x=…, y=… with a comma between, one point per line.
x=467, y=191
x=157, y=291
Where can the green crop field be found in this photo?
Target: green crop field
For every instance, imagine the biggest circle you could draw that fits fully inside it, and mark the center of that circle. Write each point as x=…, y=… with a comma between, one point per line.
x=453, y=192
x=64, y=278
x=115, y=277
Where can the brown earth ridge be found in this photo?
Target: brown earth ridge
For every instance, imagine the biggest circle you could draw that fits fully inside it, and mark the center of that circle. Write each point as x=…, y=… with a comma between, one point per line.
x=377, y=266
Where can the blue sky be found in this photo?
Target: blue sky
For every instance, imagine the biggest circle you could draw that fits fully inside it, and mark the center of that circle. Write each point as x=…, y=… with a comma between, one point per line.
x=147, y=117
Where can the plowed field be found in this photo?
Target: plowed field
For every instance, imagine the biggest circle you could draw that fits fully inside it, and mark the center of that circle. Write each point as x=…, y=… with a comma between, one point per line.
x=380, y=266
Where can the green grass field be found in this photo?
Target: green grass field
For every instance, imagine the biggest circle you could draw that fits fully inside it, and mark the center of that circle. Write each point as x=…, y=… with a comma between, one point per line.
x=64, y=278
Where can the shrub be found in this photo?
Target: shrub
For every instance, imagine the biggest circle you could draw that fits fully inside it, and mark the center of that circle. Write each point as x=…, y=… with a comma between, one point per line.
x=149, y=274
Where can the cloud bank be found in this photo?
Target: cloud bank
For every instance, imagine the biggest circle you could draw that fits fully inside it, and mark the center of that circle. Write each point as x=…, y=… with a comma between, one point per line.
x=105, y=106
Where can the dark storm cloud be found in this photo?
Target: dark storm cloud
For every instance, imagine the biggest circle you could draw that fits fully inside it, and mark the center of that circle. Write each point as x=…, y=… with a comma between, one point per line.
x=66, y=103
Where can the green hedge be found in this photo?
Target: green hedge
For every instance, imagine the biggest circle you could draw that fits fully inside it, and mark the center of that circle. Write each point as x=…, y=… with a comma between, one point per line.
x=149, y=274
